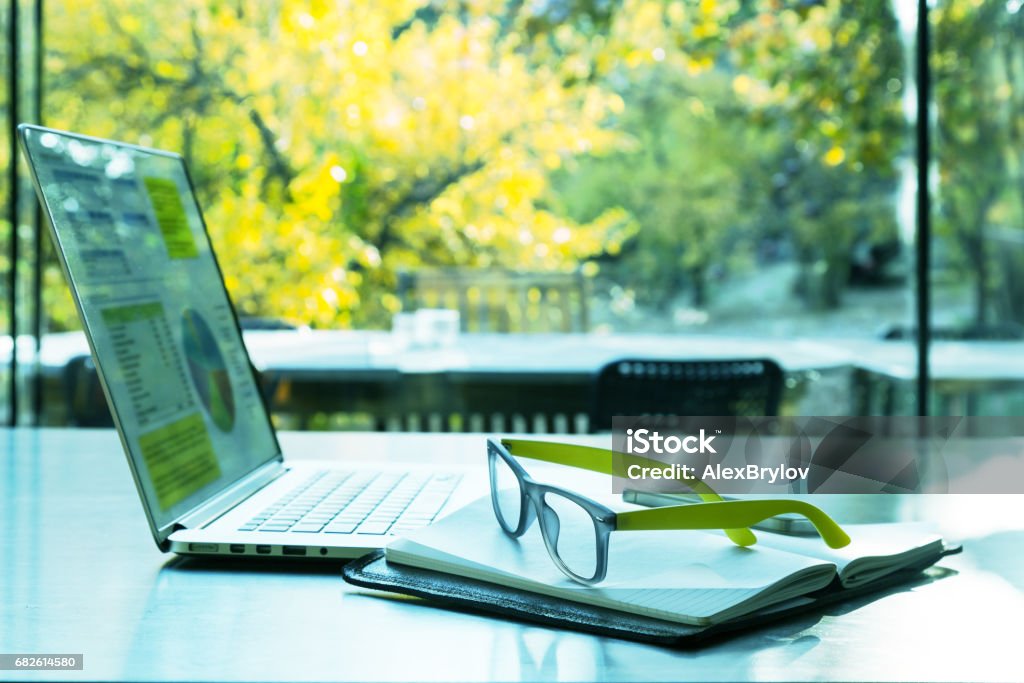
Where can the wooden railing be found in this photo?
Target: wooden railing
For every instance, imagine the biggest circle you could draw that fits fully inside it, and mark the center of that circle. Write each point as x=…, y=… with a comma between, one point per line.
x=500, y=300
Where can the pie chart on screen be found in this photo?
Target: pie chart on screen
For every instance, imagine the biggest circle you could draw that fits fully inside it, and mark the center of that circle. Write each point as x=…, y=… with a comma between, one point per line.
x=208, y=371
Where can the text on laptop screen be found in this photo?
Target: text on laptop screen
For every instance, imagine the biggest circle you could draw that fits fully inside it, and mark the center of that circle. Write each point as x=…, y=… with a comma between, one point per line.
x=154, y=305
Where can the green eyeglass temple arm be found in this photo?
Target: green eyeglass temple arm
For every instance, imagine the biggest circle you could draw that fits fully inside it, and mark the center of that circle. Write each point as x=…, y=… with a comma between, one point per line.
x=734, y=513
x=603, y=461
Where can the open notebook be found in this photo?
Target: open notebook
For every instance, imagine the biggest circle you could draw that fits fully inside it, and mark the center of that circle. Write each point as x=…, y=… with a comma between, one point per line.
x=689, y=577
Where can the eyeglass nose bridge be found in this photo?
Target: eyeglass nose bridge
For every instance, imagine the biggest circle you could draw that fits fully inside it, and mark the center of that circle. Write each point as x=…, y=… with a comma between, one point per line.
x=550, y=524
x=550, y=527
x=533, y=501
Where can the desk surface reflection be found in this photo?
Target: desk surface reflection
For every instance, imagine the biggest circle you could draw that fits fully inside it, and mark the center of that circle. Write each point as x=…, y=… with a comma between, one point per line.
x=80, y=574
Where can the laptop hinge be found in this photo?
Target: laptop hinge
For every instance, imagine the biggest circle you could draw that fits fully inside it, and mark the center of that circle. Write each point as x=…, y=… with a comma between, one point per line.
x=231, y=496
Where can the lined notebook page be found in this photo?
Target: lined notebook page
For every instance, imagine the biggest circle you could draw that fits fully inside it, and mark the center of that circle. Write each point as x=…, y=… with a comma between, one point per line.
x=684, y=576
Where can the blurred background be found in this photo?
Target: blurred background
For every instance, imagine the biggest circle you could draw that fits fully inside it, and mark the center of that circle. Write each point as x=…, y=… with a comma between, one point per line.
x=704, y=178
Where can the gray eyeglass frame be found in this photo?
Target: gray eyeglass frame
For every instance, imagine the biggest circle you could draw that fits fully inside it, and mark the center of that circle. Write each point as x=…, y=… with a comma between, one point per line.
x=733, y=516
x=532, y=507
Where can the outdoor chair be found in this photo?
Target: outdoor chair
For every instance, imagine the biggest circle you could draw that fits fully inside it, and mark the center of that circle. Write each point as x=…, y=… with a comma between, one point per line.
x=85, y=402
x=740, y=387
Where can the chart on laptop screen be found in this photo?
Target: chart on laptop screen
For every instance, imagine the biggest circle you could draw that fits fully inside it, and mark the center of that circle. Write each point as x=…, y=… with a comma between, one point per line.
x=154, y=305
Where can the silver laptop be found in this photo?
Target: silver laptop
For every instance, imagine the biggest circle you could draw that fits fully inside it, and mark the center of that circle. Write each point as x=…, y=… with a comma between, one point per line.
x=179, y=382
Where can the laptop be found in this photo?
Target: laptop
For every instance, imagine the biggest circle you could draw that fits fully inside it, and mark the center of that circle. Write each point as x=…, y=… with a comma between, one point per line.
x=179, y=382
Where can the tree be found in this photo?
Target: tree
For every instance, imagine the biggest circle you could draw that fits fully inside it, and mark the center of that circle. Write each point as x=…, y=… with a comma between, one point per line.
x=799, y=146
x=978, y=68
x=334, y=144
x=683, y=180
x=831, y=76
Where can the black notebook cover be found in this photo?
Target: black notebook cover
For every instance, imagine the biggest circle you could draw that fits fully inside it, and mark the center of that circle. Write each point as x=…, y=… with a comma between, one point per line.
x=373, y=571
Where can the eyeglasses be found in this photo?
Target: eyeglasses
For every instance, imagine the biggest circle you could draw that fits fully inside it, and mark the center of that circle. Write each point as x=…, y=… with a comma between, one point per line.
x=576, y=529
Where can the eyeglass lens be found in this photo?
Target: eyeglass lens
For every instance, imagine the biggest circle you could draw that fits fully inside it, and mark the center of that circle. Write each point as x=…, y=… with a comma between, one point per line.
x=571, y=533
x=506, y=491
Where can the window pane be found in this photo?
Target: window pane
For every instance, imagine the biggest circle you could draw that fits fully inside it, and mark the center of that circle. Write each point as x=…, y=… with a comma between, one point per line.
x=19, y=212
x=693, y=173
x=978, y=272
x=5, y=203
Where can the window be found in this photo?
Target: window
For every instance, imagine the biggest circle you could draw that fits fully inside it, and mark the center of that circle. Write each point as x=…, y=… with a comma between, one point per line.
x=19, y=237
x=719, y=175
x=978, y=271
x=5, y=188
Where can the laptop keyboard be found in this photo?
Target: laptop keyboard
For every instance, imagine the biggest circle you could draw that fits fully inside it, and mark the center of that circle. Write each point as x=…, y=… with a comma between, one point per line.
x=338, y=502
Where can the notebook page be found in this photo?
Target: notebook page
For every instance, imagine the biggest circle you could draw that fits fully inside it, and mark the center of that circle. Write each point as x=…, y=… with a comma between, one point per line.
x=686, y=576
x=874, y=550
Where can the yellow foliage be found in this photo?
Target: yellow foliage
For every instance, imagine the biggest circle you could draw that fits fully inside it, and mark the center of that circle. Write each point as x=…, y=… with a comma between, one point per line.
x=834, y=156
x=335, y=143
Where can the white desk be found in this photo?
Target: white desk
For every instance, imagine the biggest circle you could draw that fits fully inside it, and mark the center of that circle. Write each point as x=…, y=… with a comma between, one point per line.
x=79, y=573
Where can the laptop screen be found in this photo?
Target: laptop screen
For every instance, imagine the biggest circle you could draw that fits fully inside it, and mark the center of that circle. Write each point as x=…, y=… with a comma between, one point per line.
x=153, y=303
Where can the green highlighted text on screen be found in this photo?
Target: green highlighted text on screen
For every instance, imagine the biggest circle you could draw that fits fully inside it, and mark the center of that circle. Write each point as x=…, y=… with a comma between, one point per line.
x=180, y=459
x=170, y=215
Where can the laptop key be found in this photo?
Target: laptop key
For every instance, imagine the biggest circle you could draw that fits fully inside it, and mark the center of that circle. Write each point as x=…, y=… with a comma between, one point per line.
x=359, y=503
